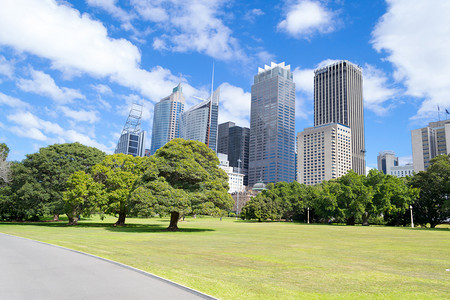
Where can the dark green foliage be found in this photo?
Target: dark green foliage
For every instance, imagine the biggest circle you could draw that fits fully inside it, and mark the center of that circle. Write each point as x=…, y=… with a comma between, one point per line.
x=184, y=177
x=433, y=204
x=39, y=181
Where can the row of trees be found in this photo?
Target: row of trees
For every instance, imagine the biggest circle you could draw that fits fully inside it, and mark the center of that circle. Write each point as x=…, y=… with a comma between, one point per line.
x=375, y=198
x=182, y=177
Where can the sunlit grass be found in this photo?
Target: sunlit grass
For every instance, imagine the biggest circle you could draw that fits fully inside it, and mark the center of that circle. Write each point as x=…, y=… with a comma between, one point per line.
x=233, y=259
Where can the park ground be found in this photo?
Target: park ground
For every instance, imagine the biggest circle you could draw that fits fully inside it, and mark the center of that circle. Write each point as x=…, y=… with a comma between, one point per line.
x=235, y=259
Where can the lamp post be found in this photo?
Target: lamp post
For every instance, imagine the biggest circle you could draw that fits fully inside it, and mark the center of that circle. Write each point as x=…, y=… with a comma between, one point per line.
x=412, y=222
x=308, y=215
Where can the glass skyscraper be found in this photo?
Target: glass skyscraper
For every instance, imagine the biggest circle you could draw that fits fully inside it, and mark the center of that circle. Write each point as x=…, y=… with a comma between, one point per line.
x=338, y=98
x=166, y=117
x=272, y=125
x=199, y=123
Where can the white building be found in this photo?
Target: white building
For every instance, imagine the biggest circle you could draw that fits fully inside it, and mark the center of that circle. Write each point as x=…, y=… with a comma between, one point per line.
x=402, y=171
x=324, y=153
x=235, y=180
x=429, y=142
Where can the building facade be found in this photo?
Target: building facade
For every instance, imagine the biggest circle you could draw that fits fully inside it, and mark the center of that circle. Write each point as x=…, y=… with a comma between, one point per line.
x=132, y=139
x=386, y=160
x=402, y=171
x=429, y=142
x=166, y=117
x=272, y=125
x=235, y=180
x=324, y=153
x=234, y=141
x=338, y=98
x=199, y=123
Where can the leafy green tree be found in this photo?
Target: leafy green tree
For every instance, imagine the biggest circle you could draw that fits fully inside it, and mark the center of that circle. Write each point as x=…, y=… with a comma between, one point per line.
x=49, y=169
x=117, y=174
x=352, y=198
x=83, y=196
x=433, y=204
x=23, y=198
x=183, y=177
x=262, y=207
x=323, y=199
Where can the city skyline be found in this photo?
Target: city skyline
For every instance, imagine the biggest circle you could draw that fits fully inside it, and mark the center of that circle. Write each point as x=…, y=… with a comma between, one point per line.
x=72, y=71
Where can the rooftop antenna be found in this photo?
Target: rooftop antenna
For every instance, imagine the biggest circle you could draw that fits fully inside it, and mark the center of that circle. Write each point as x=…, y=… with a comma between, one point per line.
x=212, y=81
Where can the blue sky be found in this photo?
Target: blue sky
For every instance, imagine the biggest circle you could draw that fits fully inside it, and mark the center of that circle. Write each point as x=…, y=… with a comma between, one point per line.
x=70, y=70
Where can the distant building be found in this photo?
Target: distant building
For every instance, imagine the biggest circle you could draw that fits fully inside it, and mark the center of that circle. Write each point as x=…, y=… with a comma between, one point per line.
x=386, y=160
x=235, y=180
x=234, y=141
x=338, y=98
x=199, y=123
x=166, y=119
x=402, y=171
x=272, y=125
x=132, y=138
x=429, y=142
x=324, y=153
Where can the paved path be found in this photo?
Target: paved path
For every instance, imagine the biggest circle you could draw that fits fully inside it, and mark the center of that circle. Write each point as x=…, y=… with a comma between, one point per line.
x=34, y=270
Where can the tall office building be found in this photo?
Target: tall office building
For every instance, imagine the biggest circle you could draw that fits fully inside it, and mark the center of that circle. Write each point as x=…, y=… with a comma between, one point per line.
x=223, y=137
x=338, y=98
x=387, y=160
x=429, y=142
x=272, y=125
x=166, y=117
x=199, y=123
x=324, y=153
x=234, y=141
x=132, y=138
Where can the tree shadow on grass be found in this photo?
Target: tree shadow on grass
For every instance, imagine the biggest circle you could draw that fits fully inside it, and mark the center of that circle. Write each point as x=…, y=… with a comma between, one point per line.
x=134, y=228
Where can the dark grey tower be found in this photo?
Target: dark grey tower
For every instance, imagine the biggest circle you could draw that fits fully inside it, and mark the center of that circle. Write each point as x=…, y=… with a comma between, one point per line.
x=338, y=98
x=272, y=125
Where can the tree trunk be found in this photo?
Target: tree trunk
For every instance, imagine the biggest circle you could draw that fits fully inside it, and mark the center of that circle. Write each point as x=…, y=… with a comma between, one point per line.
x=73, y=220
x=55, y=218
x=365, y=219
x=351, y=221
x=174, y=216
x=121, y=220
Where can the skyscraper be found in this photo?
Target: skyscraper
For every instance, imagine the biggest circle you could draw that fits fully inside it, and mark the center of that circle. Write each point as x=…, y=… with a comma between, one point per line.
x=272, y=125
x=132, y=138
x=338, y=98
x=166, y=117
x=429, y=142
x=199, y=123
x=234, y=141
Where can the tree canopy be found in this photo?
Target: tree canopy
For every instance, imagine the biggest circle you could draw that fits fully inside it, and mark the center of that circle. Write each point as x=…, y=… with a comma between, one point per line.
x=183, y=176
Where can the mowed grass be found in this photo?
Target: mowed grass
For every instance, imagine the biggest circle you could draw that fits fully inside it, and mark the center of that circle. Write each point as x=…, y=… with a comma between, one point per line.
x=234, y=259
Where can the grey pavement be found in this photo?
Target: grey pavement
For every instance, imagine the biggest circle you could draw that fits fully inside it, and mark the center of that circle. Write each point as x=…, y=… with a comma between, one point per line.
x=34, y=270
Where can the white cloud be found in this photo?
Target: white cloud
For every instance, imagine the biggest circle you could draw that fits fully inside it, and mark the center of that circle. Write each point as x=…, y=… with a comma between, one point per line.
x=59, y=33
x=234, y=105
x=31, y=126
x=252, y=14
x=377, y=91
x=306, y=18
x=12, y=102
x=102, y=89
x=6, y=67
x=415, y=35
x=151, y=11
x=80, y=115
x=404, y=160
x=111, y=7
x=44, y=84
x=191, y=26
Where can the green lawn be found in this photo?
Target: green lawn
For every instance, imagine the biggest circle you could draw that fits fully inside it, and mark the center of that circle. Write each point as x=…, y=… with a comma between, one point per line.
x=232, y=259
